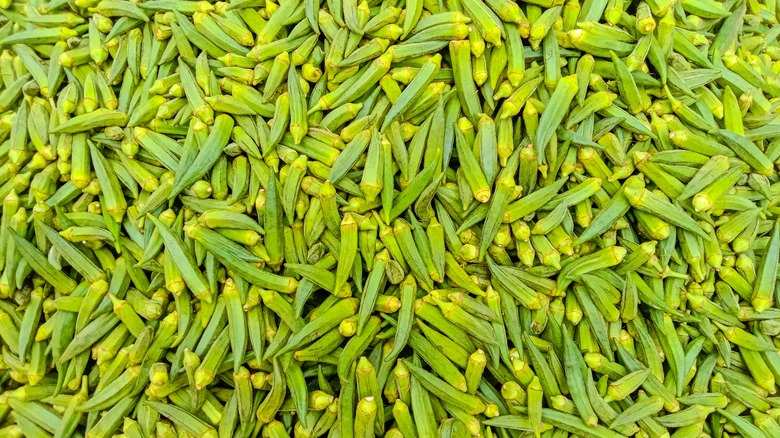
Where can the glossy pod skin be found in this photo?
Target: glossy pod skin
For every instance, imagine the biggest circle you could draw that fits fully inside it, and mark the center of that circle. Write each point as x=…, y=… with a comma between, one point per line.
x=415, y=219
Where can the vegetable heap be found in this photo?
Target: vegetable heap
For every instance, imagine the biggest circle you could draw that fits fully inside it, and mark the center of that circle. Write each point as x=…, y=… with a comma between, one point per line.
x=398, y=218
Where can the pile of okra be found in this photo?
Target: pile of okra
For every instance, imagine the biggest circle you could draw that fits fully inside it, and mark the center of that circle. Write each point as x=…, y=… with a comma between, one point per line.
x=389, y=218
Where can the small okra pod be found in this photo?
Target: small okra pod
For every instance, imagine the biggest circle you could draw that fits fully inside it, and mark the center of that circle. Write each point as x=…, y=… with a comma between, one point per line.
x=466, y=88
x=638, y=411
x=535, y=397
x=474, y=368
